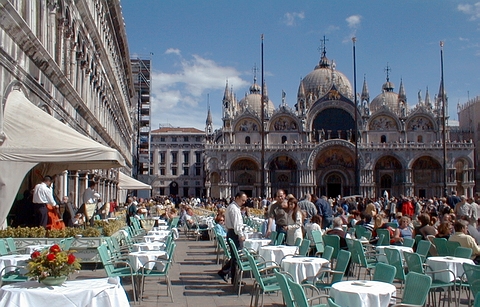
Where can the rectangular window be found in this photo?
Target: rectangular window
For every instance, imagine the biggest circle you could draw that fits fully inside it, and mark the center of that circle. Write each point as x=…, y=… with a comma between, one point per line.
x=185, y=192
x=162, y=139
x=174, y=138
x=185, y=171
x=162, y=157
x=186, y=154
x=162, y=171
x=161, y=191
x=174, y=157
x=198, y=155
x=174, y=171
x=185, y=138
x=197, y=171
x=198, y=139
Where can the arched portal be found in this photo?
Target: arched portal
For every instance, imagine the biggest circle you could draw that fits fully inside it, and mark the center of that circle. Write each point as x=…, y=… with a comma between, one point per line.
x=334, y=123
x=334, y=184
x=283, y=174
x=388, y=175
x=244, y=176
x=173, y=188
x=427, y=177
x=335, y=171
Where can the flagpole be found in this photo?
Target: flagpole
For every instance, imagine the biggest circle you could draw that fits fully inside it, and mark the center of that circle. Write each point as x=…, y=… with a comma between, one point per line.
x=444, y=120
x=262, y=130
x=357, y=175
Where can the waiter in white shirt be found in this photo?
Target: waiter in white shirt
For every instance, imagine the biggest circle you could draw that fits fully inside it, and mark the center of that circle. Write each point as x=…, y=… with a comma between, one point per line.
x=43, y=195
x=234, y=224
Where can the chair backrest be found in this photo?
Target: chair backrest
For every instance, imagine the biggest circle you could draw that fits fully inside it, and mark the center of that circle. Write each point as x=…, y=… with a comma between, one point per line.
x=416, y=289
x=351, y=248
x=463, y=252
x=414, y=262
x=256, y=273
x=304, y=247
x=333, y=241
x=476, y=303
x=343, y=259
x=423, y=247
x=280, y=238
x=361, y=231
x=174, y=222
x=298, y=294
x=441, y=245
x=408, y=242
x=318, y=240
x=451, y=247
x=233, y=248
x=223, y=246
x=105, y=259
x=284, y=287
x=360, y=253
x=327, y=253
x=273, y=237
x=381, y=237
x=417, y=239
x=11, y=245
x=386, y=236
x=473, y=277
x=298, y=241
x=66, y=243
x=394, y=258
x=384, y=272
x=3, y=248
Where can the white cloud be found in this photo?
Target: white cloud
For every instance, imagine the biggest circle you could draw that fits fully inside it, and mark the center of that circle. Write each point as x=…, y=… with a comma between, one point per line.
x=463, y=39
x=331, y=28
x=473, y=10
x=290, y=19
x=354, y=21
x=184, y=91
x=172, y=50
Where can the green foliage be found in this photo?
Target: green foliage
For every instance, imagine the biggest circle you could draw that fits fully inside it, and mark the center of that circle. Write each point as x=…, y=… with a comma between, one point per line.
x=40, y=232
x=110, y=226
x=52, y=262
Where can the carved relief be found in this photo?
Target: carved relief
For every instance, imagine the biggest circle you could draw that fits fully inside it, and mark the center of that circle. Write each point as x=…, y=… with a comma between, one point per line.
x=247, y=126
x=285, y=124
x=388, y=162
x=335, y=157
x=420, y=123
x=383, y=123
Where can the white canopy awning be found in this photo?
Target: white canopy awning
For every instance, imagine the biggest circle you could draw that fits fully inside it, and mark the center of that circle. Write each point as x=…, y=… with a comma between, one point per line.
x=126, y=182
x=32, y=136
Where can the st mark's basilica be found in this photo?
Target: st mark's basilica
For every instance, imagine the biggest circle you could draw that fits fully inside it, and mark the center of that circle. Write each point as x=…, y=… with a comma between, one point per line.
x=311, y=147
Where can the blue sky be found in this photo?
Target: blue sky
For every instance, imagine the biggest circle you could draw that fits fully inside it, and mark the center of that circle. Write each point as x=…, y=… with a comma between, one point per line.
x=195, y=46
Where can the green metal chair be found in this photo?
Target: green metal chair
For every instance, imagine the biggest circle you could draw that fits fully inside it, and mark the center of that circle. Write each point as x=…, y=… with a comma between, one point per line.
x=423, y=248
x=160, y=269
x=298, y=241
x=318, y=240
x=417, y=287
x=12, y=274
x=280, y=238
x=263, y=283
x=463, y=252
x=242, y=266
x=331, y=303
x=365, y=261
x=300, y=296
x=66, y=243
x=12, y=248
x=112, y=271
x=451, y=247
x=327, y=253
x=384, y=272
x=273, y=237
x=3, y=248
x=386, y=237
x=304, y=247
x=415, y=264
x=408, y=242
x=441, y=245
x=362, y=232
x=476, y=303
x=282, y=278
x=336, y=275
x=394, y=258
x=333, y=241
x=472, y=274
x=226, y=251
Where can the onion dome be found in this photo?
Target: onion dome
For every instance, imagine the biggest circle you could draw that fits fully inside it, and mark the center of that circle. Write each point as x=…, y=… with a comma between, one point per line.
x=253, y=100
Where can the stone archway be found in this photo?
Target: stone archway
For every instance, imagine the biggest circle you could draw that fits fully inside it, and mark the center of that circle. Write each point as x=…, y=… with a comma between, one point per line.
x=427, y=177
x=388, y=175
x=244, y=174
x=335, y=171
x=283, y=174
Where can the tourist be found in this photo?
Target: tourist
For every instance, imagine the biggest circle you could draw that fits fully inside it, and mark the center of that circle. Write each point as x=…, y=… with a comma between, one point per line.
x=294, y=222
x=43, y=195
x=425, y=229
x=465, y=239
x=277, y=214
x=403, y=231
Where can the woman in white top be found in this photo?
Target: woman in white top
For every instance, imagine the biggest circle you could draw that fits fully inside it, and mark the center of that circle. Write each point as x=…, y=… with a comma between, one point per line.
x=314, y=224
x=294, y=222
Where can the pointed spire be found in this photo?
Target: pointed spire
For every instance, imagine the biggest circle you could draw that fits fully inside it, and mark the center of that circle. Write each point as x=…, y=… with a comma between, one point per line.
x=401, y=92
x=323, y=59
x=365, y=93
x=209, y=120
x=301, y=90
x=388, y=86
x=427, y=98
x=226, y=94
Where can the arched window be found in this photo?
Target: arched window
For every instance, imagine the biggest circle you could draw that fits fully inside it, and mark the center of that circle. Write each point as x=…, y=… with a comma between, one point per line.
x=284, y=139
x=383, y=139
x=419, y=139
x=247, y=140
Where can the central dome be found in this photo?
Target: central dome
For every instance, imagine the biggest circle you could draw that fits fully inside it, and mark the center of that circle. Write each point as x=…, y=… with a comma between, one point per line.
x=320, y=81
x=253, y=101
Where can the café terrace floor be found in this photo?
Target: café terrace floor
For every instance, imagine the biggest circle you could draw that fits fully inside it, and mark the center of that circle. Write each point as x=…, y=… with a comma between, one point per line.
x=195, y=282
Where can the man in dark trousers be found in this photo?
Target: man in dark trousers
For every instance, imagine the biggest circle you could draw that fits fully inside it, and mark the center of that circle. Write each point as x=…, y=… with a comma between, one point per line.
x=234, y=225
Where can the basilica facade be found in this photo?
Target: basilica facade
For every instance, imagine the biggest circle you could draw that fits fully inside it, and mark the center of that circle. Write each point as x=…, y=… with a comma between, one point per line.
x=329, y=146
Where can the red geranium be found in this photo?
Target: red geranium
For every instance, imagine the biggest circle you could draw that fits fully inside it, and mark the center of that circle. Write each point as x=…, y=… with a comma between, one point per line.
x=35, y=254
x=70, y=259
x=55, y=248
x=51, y=257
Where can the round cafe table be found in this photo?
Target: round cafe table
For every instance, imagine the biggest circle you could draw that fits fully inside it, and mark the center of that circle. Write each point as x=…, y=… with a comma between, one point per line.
x=454, y=264
x=255, y=244
x=361, y=293
x=276, y=252
x=303, y=267
x=381, y=251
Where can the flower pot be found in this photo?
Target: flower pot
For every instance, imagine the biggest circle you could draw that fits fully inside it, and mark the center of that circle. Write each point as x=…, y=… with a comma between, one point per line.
x=53, y=280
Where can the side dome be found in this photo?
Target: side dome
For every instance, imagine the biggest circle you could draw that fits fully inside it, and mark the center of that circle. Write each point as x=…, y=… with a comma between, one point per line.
x=253, y=101
x=387, y=98
x=320, y=81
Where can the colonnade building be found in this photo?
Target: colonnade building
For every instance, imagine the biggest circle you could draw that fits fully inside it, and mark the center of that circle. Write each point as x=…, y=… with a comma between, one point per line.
x=316, y=145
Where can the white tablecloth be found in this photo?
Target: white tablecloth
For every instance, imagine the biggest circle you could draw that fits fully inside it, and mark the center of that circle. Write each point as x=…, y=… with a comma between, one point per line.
x=253, y=235
x=356, y=293
x=303, y=267
x=255, y=244
x=138, y=259
x=81, y=293
x=20, y=260
x=159, y=235
x=452, y=263
x=160, y=227
x=153, y=246
x=39, y=247
x=276, y=252
x=380, y=250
